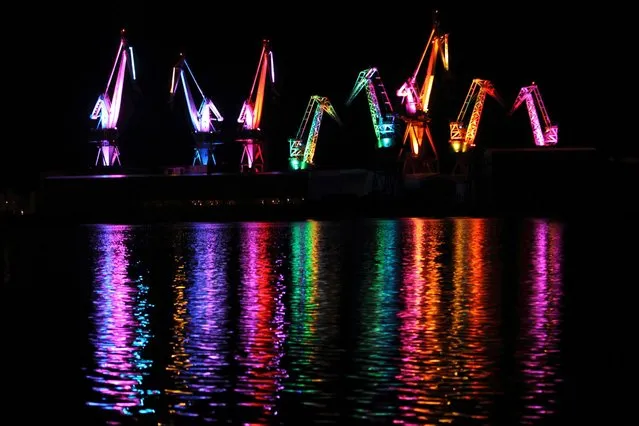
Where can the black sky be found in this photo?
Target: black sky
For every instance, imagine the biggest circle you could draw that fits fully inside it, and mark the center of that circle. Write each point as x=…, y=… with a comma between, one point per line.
x=316, y=52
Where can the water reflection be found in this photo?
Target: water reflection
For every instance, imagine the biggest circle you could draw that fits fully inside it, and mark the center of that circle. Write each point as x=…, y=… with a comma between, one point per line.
x=447, y=324
x=121, y=333
x=262, y=327
x=304, y=306
x=200, y=322
x=473, y=340
x=264, y=322
x=376, y=351
x=315, y=321
x=420, y=333
x=539, y=346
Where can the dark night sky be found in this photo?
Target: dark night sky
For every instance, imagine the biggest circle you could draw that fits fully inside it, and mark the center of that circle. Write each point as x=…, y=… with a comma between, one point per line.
x=319, y=54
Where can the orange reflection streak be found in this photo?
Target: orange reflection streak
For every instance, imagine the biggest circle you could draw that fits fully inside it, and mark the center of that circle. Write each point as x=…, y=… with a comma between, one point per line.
x=420, y=343
x=261, y=323
x=478, y=360
x=470, y=365
x=464, y=363
x=539, y=346
x=444, y=335
x=179, y=357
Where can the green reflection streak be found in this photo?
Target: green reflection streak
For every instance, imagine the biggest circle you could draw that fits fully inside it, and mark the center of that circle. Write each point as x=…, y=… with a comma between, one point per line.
x=376, y=367
x=304, y=304
x=382, y=293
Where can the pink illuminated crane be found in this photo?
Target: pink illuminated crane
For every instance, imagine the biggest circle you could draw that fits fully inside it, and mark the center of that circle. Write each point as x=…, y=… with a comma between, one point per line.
x=546, y=136
x=416, y=98
x=107, y=107
x=202, y=117
x=462, y=134
x=251, y=114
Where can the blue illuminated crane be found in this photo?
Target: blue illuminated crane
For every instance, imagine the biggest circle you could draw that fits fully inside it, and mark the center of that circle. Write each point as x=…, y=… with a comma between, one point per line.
x=202, y=118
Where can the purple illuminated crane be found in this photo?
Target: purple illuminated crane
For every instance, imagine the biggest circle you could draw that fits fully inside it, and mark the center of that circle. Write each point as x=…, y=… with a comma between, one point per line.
x=416, y=99
x=107, y=108
x=546, y=136
x=202, y=118
x=251, y=113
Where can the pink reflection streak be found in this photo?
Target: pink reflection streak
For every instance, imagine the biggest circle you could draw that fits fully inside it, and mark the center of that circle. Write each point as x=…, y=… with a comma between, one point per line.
x=115, y=326
x=542, y=333
x=419, y=323
x=261, y=324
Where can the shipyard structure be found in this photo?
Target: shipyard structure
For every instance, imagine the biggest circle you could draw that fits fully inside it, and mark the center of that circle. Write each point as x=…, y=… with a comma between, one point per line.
x=406, y=176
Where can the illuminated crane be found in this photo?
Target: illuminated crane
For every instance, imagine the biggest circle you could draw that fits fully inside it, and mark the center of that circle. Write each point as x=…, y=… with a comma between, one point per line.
x=202, y=118
x=416, y=99
x=107, y=107
x=547, y=136
x=251, y=113
x=302, y=150
x=462, y=134
x=379, y=105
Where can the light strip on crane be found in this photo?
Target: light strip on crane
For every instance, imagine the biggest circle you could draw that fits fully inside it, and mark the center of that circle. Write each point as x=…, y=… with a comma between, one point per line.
x=270, y=54
x=173, y=87
x=132, y=61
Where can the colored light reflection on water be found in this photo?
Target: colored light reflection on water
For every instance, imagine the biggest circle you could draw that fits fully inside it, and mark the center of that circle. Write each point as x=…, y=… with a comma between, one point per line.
x=313, y=342
x=121, y=328
x=200, y=323
x=391, y=321
x=538, y=350
x=262, y=330
x=447, y=339
x=375, y=354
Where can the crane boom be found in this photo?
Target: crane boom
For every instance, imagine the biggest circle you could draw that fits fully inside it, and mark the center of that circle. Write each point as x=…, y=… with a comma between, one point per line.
x=416, y=98
x=251, y=113
x=462, y=134
x=379, y=105
x=549, y=134
x=202, y=116
x=301, y=148
x=250, y=116
x=107, y=107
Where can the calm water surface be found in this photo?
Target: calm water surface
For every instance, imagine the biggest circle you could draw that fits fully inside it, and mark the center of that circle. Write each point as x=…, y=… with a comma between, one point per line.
x=412, y=321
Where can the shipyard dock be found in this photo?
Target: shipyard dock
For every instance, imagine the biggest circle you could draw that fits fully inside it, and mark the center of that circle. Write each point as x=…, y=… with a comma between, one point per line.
x=517, y=181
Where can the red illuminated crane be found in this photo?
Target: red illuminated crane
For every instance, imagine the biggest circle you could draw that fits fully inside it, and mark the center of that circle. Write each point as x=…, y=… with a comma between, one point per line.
x=543, y=136
x=251, y=113
x=416, y=98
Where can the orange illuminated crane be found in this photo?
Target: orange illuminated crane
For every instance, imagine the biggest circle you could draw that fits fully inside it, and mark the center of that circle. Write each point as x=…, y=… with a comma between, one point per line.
x=462, y=134
x=416, y=99
x=251, y=114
